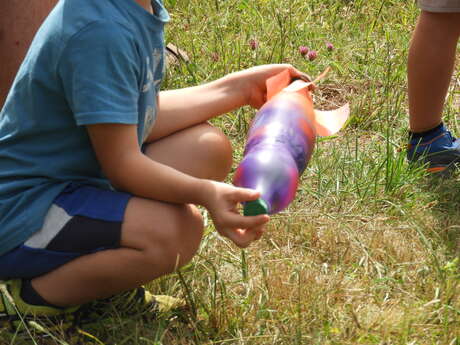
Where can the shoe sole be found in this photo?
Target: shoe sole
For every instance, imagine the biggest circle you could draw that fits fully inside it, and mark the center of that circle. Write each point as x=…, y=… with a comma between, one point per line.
x=439, y=163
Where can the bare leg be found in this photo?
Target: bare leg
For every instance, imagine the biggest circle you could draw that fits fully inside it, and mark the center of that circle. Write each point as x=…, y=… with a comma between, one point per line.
x=430, y=67
x=157, y=237
x=154, y=237
x=19, y=21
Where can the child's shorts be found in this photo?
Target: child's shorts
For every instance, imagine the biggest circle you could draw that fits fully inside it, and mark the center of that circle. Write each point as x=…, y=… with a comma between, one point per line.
x=445, y=6
x=81, y=221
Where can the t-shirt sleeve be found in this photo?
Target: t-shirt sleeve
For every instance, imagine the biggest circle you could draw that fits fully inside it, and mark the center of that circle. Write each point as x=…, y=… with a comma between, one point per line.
x=99, y=69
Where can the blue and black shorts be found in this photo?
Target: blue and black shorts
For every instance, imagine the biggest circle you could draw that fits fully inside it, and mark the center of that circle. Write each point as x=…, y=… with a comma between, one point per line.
x=81, y=221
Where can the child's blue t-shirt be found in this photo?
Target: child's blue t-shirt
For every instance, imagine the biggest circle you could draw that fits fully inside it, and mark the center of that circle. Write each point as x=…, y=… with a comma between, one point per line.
x=90, y=62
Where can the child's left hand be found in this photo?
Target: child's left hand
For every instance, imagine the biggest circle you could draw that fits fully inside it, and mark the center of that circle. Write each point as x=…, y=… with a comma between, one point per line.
x=252, y=81
x=222, y=200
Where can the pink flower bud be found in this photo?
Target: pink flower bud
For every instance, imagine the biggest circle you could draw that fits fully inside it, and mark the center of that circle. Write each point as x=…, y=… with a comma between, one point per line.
x=312, y=55
x=303, y=50
x=253, y=44
x=329, y=46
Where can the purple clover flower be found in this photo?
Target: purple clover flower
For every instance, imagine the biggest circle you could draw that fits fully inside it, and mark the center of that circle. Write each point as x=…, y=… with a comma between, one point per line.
x=303, y=50
x=312, y=55
x=329, y=46
x=253, y=44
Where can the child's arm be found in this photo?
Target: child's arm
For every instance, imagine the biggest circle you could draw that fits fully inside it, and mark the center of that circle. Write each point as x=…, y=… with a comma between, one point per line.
x=183, y=108
x=128, y=169
x=104, y=97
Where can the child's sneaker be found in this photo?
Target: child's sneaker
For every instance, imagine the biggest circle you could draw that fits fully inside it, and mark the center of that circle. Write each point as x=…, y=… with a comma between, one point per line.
x=136, y=302
x=439, y=150
x=20, y=316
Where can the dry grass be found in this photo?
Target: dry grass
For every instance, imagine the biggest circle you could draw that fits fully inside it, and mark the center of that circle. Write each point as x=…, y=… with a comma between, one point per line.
x=368, y=252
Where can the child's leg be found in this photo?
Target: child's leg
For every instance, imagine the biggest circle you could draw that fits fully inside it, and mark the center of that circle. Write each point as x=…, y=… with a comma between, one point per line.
x=18, y=23
x=156, y=238
x=204, y=141
x=430, y=67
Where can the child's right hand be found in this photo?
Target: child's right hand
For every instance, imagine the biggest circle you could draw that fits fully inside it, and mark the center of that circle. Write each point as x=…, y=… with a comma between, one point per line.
x=222, y=204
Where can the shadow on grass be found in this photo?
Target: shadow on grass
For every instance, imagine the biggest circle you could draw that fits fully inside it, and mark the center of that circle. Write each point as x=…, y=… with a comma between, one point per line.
x=445, y=208
x=114, y=330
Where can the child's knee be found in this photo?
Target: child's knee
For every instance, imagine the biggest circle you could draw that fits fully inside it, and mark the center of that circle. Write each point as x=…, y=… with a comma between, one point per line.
x=179, y=240
x=185, y=244
x=217, y=150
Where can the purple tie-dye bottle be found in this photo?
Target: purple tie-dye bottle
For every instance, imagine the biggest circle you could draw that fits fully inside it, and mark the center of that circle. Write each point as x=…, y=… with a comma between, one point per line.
x=279, y=145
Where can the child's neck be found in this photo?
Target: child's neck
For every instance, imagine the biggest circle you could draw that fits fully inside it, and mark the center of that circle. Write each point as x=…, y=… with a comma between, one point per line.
x=146, y=4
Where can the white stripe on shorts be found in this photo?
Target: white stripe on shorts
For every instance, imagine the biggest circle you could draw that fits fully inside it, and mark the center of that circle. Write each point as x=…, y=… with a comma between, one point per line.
x=55, y=220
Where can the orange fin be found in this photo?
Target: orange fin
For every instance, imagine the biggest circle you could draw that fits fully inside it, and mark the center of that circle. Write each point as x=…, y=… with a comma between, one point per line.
x=277, y=83
x=330, y=122
x=326, y=122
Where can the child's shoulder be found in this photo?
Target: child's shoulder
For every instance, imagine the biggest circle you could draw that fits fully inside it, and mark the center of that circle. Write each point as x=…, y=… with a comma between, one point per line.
x=71, y=17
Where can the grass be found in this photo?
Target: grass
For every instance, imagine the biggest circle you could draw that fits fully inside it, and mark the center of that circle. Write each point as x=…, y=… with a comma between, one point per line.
x=368, y=251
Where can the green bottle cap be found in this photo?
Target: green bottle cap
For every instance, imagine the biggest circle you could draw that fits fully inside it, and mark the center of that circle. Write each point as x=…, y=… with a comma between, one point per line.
x=256, y=207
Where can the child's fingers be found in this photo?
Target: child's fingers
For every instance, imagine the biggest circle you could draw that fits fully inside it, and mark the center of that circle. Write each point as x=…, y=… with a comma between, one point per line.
x=242, y=236
x=305, y=77
x=237, y=221
x=295, y=73
x=245, y=194
x=256, y=233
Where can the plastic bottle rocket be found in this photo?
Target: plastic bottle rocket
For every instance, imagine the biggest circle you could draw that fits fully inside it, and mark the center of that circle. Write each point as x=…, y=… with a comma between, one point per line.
x=280, y=143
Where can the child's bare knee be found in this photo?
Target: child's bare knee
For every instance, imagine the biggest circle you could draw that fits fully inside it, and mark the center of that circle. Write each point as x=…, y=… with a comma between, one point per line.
x=178, y=241
x=218, y=152
x=189, y=236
